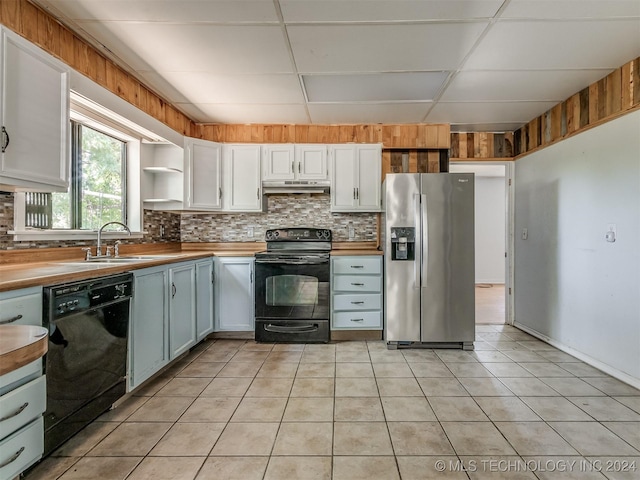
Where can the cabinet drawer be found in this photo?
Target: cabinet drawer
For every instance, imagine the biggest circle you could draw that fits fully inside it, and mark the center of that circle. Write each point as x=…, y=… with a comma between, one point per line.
x=357, y=302
x=20, y=376
x=22, y=449
x=357, y=320
x=23, y=310
x=20, y=406
x=357, y=283
x=357, y=265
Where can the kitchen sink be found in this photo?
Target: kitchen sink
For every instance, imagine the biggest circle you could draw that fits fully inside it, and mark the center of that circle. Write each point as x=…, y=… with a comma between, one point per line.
x=118, y=260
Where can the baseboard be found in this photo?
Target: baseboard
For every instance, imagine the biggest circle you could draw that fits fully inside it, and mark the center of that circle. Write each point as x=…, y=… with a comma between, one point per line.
x=608, y=369
x=342, y=335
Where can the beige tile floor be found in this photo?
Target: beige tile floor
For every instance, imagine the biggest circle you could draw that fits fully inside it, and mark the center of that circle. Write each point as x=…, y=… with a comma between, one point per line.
x=490, y=303
x=513, y=408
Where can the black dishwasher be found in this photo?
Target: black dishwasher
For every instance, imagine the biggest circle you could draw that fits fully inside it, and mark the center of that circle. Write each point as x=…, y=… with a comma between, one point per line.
x=86, y=364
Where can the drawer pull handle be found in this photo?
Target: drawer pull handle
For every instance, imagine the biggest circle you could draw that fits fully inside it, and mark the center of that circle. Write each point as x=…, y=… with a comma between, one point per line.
x=11, y=320
x=16, y=413
x=357, y=266
x=357, y=319
x=357, y=303
x=357, y=284
x=12, y=459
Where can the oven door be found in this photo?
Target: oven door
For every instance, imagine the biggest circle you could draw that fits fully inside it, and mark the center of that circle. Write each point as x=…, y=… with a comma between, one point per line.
x=292, y=291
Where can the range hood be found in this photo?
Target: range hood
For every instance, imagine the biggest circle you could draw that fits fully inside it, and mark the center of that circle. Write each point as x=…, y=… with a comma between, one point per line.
x=282, y=187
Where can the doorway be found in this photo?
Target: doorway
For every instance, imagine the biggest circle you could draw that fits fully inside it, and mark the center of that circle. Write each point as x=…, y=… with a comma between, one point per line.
x=492, y=239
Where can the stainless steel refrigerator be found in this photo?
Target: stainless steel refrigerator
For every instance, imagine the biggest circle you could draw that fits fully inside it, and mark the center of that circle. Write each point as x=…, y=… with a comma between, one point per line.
x=428, y=229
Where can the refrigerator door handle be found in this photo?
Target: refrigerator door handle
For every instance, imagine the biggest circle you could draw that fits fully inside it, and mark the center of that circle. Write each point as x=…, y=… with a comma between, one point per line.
x=417, y=263
x=424, y=240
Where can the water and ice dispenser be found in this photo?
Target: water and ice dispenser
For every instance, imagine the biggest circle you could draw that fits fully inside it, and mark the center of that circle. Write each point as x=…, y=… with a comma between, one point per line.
x=403, y=243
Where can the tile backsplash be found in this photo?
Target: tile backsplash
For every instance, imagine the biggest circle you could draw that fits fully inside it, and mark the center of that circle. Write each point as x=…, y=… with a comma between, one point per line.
x=303, y=210
x=153, y=220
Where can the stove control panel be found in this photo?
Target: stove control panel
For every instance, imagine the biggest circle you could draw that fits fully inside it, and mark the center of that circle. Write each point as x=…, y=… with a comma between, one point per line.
x=298, y=235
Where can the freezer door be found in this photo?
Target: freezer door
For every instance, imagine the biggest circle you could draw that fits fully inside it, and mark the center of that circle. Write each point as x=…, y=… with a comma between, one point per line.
x=448, y=265
x=402, y=277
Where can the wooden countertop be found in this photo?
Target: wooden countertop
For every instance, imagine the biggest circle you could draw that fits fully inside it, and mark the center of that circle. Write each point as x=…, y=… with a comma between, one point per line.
x=49, y=266
x=21, y=345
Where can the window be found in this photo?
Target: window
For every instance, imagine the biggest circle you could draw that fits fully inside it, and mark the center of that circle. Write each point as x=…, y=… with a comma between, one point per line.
x=97, y=193
x=97, y=189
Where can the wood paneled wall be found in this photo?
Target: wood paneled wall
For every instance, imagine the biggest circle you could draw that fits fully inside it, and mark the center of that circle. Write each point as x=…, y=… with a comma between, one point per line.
x=611, y=96
x=414, y=136
x=40, y=28
x=482, y=146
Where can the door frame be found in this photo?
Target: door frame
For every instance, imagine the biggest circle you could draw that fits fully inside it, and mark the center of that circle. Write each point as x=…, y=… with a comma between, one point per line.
x=509, y=188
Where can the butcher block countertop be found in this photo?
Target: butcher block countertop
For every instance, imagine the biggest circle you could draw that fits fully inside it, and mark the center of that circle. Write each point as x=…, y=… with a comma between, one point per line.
x=49, y=266
x=21, y=345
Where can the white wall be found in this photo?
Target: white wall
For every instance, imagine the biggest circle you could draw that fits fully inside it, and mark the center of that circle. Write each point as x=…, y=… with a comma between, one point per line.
x=490, y=229
x=571, y=286
x=490, y=220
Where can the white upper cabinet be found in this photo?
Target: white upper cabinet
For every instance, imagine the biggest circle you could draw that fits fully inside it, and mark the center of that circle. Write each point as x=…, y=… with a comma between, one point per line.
x=356, y=178
x=242, y=179
x=34, y=111
x=203, y=175
x=278, y=162
x=294, y=162
x=311, y=161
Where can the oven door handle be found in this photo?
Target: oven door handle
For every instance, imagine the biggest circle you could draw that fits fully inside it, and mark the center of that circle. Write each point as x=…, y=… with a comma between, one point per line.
x=291, y=262
x=280, y=329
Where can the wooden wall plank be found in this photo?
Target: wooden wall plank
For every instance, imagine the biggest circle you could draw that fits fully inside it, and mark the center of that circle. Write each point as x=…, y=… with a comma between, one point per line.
x=433, y=159
x=555, y=122
x=422, y=161
x=11, y=13
x=386, y=162
x=613, y=92
x=29, y=23
x=635, y=76
x=462, y=141
x=48, y=33
x=585, y=107
x=396, y=161
x=626, y=86
x=455, y=145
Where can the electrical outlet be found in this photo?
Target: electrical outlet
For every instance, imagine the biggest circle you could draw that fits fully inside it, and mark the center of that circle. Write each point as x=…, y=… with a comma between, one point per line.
x=525, y=233
x=352, y=232
x=250, y=232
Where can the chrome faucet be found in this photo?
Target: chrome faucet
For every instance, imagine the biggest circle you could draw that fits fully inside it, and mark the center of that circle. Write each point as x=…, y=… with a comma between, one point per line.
x=99, y=249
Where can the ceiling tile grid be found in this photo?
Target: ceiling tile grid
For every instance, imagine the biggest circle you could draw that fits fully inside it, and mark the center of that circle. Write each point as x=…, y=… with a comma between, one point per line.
x=480, y=65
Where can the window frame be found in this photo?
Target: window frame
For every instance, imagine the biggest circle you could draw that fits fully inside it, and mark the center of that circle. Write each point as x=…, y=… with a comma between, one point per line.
x=82, y=113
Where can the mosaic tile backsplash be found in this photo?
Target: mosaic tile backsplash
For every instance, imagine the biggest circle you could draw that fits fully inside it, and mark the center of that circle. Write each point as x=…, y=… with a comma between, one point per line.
x=304, y=210
x=153, y=221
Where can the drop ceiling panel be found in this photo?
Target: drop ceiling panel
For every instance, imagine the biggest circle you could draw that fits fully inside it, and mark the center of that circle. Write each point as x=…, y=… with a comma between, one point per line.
x=382, y=48
x=376, y=87
x=551, y=85
x=369, y=113
x=554, y=45
x=205, y=87
x=162, y=87
x=571, y=9
x=197, y=47
x=487, y=112
x=385, y=11
x=227, y=113
x=168, y=11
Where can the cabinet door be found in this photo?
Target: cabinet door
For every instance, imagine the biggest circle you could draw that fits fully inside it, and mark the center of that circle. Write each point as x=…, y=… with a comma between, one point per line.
x=235, y=294
x=311, y=162
x=148, y=345
x=203, y=175
x=242, y=174
x=182, y=309
x=343, y=177
x=369, y=178
x=35, y=117
x=278, y=162
x=204, y=298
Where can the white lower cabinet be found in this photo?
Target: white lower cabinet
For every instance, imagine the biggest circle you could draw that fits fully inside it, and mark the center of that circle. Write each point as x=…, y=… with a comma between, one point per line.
x=235, y=294
x=23, y=395
x=182, y=309
x=171, y=311
x=149, y=345
x=204, y=298
x=356, y=292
